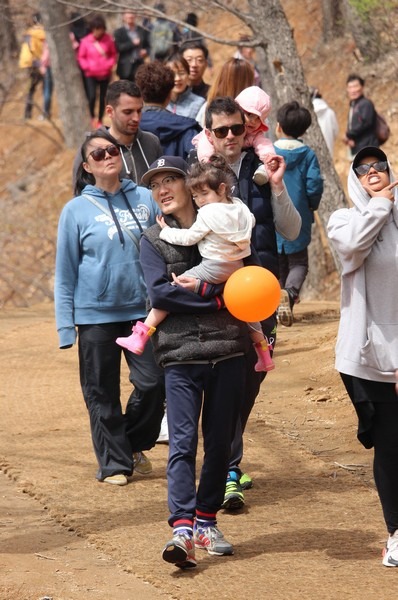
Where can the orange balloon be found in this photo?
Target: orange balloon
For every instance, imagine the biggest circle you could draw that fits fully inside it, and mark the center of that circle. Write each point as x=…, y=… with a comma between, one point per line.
x=252, y=294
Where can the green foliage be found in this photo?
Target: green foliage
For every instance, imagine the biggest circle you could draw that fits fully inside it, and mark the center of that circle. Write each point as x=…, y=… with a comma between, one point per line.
x=365, y=8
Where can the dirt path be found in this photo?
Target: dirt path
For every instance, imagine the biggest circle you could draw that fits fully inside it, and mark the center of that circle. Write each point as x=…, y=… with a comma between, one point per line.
x=311, y=528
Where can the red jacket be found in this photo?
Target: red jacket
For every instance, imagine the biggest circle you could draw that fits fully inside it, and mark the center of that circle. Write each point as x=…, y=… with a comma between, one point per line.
x=97, y=57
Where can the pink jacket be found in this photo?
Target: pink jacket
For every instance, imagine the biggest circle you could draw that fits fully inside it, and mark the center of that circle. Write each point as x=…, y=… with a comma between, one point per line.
x=97, y=57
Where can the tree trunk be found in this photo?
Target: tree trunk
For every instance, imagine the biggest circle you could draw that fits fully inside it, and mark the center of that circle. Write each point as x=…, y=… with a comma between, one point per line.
x=333, y=20
x=365, y=36
x=8, y=49
x=72, y=101
x=285, y=67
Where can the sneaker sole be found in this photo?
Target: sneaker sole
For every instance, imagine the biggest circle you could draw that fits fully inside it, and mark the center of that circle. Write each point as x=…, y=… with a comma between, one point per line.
x=247, y=485
x=233, y=503
x=228, y=552
x=284, y=312
x=386, y=561
x=177, y=556
x=142, y=472
x=129, y=348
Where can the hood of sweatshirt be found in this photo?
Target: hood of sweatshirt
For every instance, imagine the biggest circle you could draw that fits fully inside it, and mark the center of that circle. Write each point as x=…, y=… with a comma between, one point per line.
x=293, y=151
x=127, y=185
x=360, y=196
x=320, y=106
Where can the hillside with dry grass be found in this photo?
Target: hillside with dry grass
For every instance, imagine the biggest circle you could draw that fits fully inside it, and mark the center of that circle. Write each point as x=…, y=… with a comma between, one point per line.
x=36, y=166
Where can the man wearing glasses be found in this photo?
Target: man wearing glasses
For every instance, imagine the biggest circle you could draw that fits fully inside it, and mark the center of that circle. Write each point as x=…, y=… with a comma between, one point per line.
x=274, y=211
x=196, y=55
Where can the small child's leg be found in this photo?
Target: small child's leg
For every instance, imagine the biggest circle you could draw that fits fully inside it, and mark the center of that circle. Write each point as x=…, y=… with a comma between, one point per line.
x=142, y=332
x=137, y=340
x=265, y=362
x=262, y=348
x=260, y=176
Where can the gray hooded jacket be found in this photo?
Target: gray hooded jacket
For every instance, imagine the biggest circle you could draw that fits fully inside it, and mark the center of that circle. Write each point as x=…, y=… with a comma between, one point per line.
x=366, y=240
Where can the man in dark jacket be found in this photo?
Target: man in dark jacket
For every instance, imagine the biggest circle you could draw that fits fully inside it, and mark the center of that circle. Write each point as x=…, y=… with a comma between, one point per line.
x=361, y=127
x=175, y=132
x=132, y=43
x=274, y=211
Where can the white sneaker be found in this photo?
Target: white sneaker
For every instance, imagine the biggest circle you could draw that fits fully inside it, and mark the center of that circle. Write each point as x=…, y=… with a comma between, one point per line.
x=390, y=552
x=164, y=431
x=284, y=312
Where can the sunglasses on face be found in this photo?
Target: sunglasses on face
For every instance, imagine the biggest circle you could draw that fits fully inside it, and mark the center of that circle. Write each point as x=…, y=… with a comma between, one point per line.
x=99, y=153
x=379, y=166
x=222, y=132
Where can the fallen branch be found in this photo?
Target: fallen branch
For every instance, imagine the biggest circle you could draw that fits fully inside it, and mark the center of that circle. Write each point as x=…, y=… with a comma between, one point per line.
x=350, y=467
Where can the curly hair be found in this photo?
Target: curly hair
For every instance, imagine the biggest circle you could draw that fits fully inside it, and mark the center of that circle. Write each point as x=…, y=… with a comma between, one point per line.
x=155, y=81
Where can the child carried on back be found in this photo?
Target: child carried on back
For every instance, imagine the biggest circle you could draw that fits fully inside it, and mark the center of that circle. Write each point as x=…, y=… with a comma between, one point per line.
x=256, y=105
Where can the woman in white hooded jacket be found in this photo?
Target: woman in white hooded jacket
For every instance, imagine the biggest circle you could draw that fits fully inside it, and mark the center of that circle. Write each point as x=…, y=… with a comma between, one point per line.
x=366, y=240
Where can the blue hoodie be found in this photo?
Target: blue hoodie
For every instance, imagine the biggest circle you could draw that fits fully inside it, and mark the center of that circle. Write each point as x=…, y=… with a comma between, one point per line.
x=97, y=278
x=304, y=184
x=175, y=132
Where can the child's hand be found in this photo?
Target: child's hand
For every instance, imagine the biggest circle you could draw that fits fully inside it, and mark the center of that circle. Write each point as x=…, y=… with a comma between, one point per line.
x=189, y=283
x=160, y=221
x=276, y=168
x=269, y=162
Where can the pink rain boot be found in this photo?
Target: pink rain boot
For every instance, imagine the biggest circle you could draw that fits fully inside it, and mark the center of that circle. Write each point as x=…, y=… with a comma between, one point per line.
x=265, y=362
x=137, y=340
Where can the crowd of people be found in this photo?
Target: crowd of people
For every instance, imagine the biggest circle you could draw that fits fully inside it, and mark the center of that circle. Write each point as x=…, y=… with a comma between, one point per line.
x=184, y=185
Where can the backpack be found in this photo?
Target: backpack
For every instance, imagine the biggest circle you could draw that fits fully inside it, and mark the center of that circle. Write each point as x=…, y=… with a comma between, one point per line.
x=382, y=130
x=161, y=38
x=25, y=60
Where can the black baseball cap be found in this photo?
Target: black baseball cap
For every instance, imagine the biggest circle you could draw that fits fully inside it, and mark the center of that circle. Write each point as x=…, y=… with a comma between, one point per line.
x=173, y=164
x=369, y=151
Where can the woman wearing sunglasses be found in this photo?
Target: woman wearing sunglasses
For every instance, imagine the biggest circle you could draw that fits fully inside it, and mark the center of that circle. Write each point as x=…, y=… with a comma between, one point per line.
x=99, y=293
x=366, y=240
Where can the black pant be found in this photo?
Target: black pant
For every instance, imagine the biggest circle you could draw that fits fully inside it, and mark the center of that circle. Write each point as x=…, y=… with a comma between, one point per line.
x=252, y=388
x=91, y=91
x=116, y=436
x=385, y=464
x=35, y=78
x=376, y=405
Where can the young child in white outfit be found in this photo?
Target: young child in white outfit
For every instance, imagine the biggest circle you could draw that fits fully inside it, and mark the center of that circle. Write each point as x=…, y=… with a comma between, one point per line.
x=222, y=231
x=256, y=105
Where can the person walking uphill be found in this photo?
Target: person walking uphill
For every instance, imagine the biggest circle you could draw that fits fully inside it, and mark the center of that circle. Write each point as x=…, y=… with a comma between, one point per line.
x=201, y=347
x=366, y=240
x=304, y=184
x=100, y=291
x=30, y=59
x=97, y=57
x=361, y=125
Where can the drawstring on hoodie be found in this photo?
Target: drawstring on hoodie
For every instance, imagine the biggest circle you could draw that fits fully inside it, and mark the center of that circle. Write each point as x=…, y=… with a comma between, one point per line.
x=115, y=219
x=130, y=150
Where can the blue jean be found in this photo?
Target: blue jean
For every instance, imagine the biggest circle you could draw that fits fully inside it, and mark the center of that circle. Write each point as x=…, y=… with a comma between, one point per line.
x=47, y=91
x=215, y=389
